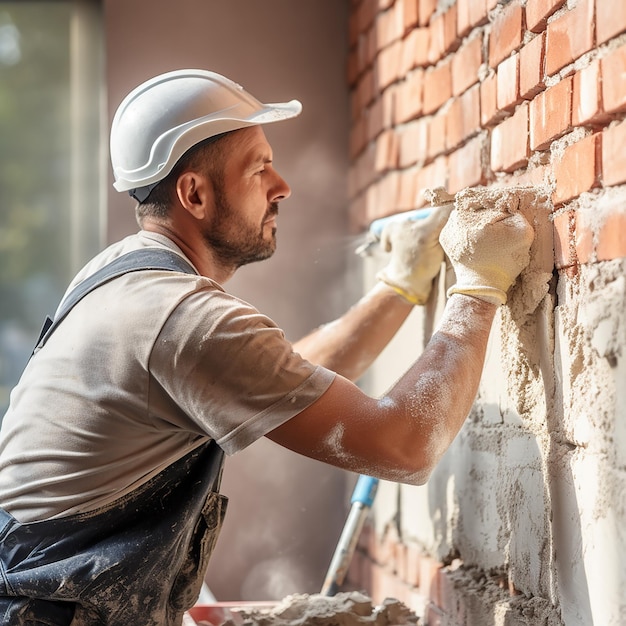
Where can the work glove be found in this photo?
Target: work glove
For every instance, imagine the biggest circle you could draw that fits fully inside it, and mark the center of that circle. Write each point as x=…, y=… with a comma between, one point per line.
x=416, y=254
x=488, y=242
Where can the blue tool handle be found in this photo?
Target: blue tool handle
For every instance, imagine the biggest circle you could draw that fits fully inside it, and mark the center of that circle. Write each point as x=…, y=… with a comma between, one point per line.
x=376, y=227
x=365, y=490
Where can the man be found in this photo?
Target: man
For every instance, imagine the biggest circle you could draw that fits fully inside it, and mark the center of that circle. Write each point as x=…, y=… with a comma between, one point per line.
x=111, y=450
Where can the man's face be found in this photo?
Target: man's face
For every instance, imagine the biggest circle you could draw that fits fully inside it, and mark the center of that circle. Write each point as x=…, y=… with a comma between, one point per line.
x=243, y=227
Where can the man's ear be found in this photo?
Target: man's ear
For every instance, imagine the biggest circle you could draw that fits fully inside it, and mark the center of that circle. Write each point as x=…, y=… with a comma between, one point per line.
x=195, y=193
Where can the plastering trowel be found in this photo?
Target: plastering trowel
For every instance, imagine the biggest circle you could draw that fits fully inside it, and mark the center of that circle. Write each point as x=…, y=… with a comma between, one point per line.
x=374, y=232
x=437, y=197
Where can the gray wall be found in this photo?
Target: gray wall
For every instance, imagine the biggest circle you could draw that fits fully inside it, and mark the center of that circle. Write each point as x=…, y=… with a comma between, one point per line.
x=286, y=512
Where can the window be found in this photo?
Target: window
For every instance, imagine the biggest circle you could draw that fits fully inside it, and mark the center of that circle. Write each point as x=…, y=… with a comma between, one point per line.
x=52, y=164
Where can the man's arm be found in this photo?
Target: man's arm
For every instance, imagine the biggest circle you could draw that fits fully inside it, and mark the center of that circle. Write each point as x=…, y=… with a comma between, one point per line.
x=402, y=435
x=350, y=344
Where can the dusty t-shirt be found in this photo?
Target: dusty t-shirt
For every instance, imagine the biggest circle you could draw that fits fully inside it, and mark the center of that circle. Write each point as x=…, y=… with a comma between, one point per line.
x=143, y=370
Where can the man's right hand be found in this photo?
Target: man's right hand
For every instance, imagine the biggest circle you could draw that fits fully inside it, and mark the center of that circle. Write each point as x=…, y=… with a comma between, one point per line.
x=416, y=255
x=488, y=246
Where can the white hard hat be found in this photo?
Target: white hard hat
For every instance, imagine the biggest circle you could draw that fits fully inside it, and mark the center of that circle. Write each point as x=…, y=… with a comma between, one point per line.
x=161, y=119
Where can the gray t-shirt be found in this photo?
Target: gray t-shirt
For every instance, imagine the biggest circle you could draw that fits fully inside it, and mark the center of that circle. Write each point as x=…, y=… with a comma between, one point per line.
x=142, y=371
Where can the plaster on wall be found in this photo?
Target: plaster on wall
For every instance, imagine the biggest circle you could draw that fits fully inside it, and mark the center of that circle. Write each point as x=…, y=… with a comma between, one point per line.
x=531, y=491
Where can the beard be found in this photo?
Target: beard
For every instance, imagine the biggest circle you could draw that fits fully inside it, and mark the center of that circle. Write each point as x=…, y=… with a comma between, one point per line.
x=235, y=241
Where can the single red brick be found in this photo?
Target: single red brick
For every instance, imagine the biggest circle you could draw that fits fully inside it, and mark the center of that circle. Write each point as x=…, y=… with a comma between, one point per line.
x=381, y=148
x=531, y=68
x=433, y=175
x=387, y=193
x=470, y=102
x=569, y=36
x=538, y=12
x=437, y=39
x=587, y=96
x=426, y=9
x=422, y=46
x=466, y=166
x=463, y=25
x=506, y=33
x=507, y=84
x=407, y=61
x=614, y=81
x=478, y=12
x=380, y=114
x=454, y=124
x=449, y=594
x=406, y=197
x=370, y=48
x=410, y=14
x=451, y=40
x=564, y=239
x=408, y=99
x=509, y=142
x=613, y=161
x=413, y=143
x=610, y=20
x=363, y=171
x=358, y=136
x=381, y=584
x=415, y=50
x=466, y=64
x=386, y=151
x=387, y=65
x=429, y=583
x=437, y=86
x=437, y=135
x=550, y=114
x=577, y=171
x=386, y=29
x=610, y=237
x=489, y=113
x=363, y=95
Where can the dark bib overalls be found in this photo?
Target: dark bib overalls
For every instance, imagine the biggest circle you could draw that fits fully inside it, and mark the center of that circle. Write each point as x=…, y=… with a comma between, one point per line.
x=139, y=561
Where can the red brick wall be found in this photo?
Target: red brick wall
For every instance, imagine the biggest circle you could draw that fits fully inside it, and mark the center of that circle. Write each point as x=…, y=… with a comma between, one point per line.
x=478, y=95
x=484, y=93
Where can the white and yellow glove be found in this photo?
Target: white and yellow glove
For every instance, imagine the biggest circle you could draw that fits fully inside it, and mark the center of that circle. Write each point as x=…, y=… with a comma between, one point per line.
x=416, y=254
x=488, y=245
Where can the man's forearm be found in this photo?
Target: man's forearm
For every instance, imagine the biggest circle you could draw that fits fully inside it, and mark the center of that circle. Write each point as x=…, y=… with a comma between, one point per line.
x=350, y=344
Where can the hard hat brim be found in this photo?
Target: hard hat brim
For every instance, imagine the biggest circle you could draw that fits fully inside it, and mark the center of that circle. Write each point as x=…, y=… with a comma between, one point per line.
x=167, y=115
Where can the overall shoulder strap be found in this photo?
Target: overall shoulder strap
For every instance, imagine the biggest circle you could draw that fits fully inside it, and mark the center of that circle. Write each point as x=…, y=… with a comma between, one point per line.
x=146, y=259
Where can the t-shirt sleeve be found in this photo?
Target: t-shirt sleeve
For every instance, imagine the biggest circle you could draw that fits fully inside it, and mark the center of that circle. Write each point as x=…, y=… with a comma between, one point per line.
x=231, y=370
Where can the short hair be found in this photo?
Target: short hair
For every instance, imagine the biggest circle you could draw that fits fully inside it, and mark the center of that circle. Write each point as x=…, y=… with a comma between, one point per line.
x=206, y=156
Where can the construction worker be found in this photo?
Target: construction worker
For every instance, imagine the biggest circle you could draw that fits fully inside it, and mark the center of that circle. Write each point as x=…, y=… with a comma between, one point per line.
x=111, y=450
